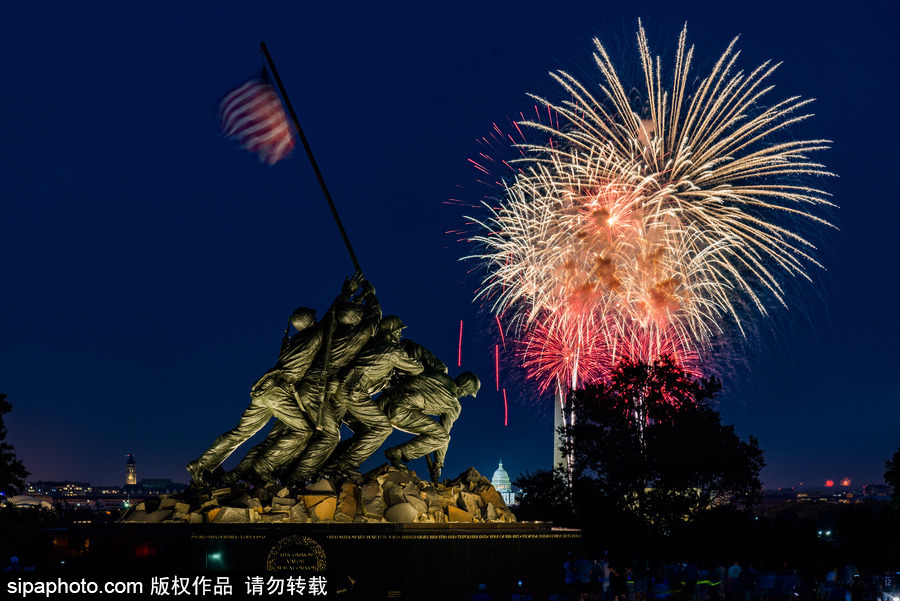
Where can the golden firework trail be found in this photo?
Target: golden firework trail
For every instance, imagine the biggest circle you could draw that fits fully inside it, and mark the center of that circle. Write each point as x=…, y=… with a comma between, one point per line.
x=645, y=223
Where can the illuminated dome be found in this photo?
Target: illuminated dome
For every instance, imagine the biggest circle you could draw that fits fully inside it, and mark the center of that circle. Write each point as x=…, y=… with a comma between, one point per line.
x=501, y=480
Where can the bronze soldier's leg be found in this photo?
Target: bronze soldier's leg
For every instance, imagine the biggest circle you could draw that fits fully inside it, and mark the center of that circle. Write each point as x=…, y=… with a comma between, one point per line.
x=375, y=429
x=319, y=449
x=297, y=431
x=284, y=453
x=252, y=421
x=245, y=467
x=353, y=424
x=431, y=435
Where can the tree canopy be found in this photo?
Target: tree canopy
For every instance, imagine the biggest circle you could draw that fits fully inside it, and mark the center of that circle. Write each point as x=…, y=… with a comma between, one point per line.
x=649, y=446
x=12, y=472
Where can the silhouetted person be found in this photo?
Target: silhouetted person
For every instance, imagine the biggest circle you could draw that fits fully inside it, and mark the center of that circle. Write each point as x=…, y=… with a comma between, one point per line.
x=857, y=588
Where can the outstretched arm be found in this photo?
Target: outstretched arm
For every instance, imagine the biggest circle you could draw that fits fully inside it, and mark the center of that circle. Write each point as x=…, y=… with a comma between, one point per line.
x=351, y=285
x=371, y=309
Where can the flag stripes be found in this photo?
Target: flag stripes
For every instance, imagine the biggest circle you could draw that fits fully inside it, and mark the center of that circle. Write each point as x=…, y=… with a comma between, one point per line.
x=252, y=115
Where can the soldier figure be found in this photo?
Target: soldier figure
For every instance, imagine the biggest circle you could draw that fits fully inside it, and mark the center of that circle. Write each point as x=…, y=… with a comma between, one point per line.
x=355, y=325
x=408, y=405
x=272, y=395
x=368, y=374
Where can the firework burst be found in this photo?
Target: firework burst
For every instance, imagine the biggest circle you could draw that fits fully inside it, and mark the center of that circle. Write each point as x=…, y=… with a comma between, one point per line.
x=646, y=223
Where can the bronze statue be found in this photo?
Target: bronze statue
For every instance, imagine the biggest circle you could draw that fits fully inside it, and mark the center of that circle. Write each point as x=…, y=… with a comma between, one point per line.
x=355, y=326
x=368, y=374
x=271, y=396
x=423, y=356
x=329, y=372
x=412, y=400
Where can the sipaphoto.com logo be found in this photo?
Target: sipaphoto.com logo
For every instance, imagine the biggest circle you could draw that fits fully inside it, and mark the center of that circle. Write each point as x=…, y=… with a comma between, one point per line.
x=67, y=588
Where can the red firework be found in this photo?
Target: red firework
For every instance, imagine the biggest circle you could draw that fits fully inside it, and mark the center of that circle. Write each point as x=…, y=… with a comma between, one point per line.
x=569, y=349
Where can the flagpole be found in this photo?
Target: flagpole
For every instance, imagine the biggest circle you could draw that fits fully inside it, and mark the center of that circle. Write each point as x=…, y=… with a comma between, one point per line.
x=312, y=159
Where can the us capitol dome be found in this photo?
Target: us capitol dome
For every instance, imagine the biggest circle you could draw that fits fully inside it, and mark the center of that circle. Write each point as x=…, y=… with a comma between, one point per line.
x=500, y=481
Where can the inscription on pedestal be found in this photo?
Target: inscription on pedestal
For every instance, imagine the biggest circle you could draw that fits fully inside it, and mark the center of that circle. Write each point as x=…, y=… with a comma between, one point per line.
x=296, y=554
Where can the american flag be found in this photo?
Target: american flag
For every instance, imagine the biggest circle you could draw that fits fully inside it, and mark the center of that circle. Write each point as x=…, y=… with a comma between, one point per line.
x=252, y=114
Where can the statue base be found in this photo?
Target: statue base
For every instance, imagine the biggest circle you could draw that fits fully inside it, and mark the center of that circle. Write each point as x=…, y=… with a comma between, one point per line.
x=359, y=561
x=385, y=494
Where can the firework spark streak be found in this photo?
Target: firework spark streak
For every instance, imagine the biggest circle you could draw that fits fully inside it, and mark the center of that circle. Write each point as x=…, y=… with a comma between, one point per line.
x=459, y=350
x=497, y=365
x=505, y=409
x=648, y=222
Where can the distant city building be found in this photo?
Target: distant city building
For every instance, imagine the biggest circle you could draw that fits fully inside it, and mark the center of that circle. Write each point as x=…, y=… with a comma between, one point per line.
x=72, y=494
x=57, y=490
x=830, y=494
x=501, y=483
x=130, y=471
x=101, y=498
x=881, y=492
x=149, y=487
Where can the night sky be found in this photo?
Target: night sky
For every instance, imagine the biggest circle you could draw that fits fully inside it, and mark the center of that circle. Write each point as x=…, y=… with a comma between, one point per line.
x=149, y=266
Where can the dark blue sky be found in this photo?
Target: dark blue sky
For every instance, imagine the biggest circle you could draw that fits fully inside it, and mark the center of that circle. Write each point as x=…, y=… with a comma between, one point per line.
x=148, y=266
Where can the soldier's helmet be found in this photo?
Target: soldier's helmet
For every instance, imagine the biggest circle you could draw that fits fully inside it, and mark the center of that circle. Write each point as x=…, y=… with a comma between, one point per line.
x=303, y=317
x=390, y=324
x=468, y=382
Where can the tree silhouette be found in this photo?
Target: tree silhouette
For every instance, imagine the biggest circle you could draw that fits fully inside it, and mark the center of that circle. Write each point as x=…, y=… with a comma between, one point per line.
x=547, y=497
x=12, y=472
x=648, y=445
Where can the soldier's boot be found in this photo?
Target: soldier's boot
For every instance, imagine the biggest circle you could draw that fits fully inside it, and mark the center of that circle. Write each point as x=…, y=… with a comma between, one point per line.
x=300, y=477
x=396, y=458
x=195, y=469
